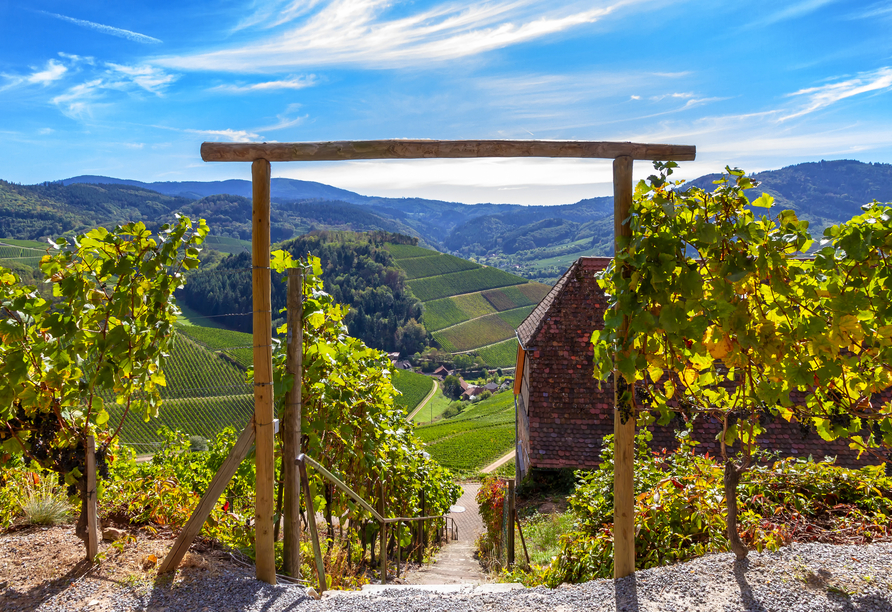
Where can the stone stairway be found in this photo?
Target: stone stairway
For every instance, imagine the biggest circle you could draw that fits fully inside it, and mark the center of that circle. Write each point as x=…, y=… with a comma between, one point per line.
x=455, y=563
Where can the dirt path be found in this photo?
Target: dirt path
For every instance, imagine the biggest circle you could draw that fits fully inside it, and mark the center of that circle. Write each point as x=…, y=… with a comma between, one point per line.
x=492, y=467
x=455, y=563
x=424, y=402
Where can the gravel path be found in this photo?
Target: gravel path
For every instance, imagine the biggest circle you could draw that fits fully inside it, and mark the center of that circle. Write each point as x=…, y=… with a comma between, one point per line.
x=798, y=578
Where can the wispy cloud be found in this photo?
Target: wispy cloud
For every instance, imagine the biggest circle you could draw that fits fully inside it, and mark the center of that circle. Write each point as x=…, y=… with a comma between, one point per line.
x=879, y=9
x=793, y=11
x=823, y=96
x=298, y=82
x=105, y=29
x=285, y=120
x=52, y=72
x=358, y=32
x=78, y=101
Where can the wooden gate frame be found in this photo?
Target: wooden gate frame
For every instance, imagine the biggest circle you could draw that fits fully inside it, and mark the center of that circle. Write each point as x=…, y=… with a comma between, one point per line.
x=261, y=154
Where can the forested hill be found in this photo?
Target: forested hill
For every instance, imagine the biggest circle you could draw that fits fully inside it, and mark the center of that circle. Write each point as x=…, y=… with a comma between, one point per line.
x=356, y=269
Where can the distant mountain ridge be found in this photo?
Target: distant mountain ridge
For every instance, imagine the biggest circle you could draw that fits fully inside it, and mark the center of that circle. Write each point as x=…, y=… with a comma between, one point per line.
x=538, y=242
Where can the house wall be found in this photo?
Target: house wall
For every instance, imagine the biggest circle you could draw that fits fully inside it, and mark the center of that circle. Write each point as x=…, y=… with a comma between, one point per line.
x=569, y=412
x=522, y=424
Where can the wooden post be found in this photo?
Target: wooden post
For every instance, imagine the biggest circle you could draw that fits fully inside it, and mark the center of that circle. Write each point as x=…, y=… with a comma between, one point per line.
x=510, y=523
x=383, y=536
x=291, y=424
x=423, y=528
x=526, y=553
x=623, y=416
x=398, y=559
x=92, y=522
x=209, y=499
x=263, y=374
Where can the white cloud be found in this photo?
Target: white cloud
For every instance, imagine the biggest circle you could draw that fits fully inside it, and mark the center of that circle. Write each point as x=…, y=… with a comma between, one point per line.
x=358, y=32
x=150, y=78
x=105, y=29
x=79, y=100
x=822, y=96
x=298, y=82
x=45, y=131
x=227, y=134
x=53, y=72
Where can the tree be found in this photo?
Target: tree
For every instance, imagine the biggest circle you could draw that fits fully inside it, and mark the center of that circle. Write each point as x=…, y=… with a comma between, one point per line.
x=452, y=387
x=726, y=319
x=65, y=368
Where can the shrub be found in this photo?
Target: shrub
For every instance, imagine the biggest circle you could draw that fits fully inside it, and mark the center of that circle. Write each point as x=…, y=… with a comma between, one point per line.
x=680, y=512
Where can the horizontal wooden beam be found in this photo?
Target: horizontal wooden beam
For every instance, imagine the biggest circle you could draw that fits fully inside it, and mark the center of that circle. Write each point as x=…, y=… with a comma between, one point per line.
x=431, y=149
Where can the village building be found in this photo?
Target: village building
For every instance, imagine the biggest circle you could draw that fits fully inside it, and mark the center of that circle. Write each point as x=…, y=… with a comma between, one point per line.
x=563, y=413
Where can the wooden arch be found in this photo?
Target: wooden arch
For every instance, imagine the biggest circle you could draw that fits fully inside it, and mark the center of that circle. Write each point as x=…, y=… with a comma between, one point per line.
x=261, y=154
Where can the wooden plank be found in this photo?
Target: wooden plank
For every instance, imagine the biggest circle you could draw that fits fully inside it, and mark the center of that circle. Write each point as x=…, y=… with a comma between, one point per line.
x=623, y=417
x=263, y=375
x=311, y=524
x=291, y=424
x=421, y=149
x=342, y=486
x=218, y=484
x=92, y=520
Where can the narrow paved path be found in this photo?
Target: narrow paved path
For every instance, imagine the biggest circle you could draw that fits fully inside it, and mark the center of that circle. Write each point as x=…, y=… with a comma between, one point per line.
x=492, y=467
x=434, y=389
x=455, y=563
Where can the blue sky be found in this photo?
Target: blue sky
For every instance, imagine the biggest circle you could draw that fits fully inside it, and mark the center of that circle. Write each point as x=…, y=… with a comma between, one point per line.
x=131, y=89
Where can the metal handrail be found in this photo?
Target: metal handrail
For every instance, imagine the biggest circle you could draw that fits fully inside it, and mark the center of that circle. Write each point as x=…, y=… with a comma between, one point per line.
x=302, y=460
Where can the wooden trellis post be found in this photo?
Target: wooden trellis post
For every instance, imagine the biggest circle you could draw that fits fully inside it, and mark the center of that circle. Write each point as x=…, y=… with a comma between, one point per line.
x=261, y=154
x=623, y=417
x=291, y=423
x=263, y=375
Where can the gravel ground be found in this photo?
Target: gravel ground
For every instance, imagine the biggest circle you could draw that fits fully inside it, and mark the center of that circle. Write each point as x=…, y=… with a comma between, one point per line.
x=800, y=577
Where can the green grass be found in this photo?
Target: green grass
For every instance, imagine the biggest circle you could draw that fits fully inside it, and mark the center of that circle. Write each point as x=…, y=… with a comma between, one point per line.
x=503, y=354
x=509, y=298
x=469, y=281
x=191, y=317
x=194, y=371
x=204, y=394
x=473, y=304
x=515, y=317
x=543, y=533
x=224, y=340
x=430, y=413
x=414, y=388
x=28, y=244
x=407, y=251
x=196, y=416
x=508, y=470
x=225, y=244
x=473, y=334
x=496, y=410
x=434, y=265
x=442, y=313
x=475, y=449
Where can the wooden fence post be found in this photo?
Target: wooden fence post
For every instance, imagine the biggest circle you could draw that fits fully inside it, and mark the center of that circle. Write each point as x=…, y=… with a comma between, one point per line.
x=623, y=417
x=291, y=425
x=263, y=373
x=510, y=523
x=383, y=536
x=92, y=519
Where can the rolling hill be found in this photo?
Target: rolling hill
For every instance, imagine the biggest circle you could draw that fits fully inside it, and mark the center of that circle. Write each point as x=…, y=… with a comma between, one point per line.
x=468, y=307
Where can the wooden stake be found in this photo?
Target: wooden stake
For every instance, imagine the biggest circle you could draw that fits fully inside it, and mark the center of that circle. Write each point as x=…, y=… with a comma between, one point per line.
x=263, y=374
x=92, y=522
x=209, y=499
x=510, y=523
x=311, y=525
x=383, y=537
x=291, y=425
x=623, y=416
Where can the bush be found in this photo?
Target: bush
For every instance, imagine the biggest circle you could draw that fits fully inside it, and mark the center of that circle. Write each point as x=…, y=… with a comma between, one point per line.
x=680, y=511
x=197, y=444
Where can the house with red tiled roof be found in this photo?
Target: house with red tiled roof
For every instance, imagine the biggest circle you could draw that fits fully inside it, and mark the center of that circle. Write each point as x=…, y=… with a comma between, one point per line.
x=563, y=413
